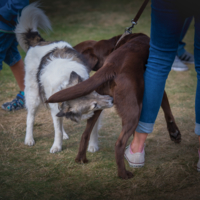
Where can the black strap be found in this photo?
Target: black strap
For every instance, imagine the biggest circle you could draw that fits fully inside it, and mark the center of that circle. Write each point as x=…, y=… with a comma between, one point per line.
x=140, y=11
x=133, y=21
x=9, y=23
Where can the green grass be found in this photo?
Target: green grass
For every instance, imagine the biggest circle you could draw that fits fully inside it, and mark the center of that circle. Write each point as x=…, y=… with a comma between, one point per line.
x=34, y=173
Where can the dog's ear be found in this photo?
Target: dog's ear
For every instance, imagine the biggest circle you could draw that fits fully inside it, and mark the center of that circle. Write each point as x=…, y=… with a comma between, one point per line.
x=76, y=117
x=64, y=107
x=91, y=58
x=74, y=78
x=60, y=114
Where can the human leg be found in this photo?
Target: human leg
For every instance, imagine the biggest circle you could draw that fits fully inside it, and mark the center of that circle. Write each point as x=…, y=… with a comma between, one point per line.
x=183, y=56
x=181, y=50
x=18, y=71
x=165, y=33
x=197, y=68
x=10, y=55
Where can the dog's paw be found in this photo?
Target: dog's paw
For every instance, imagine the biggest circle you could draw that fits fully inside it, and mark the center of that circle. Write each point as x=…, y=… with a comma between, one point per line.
x=29, y=142
x=55, y=149
x=125, y=175
x=174, y=132
x=65, y=136
x=80, y=159
x=93, y=148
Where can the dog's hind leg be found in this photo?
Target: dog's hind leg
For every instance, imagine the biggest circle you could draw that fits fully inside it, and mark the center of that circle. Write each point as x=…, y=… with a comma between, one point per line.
x=129, y=124
x=173, y=130
x=93, y=143
x=58, y=127
x=81, y=157
x=128, y=102
x=32, y=103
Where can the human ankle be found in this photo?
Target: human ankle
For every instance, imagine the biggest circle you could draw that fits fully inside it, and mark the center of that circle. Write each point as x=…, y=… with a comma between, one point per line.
x=22, y=93
x=135, y=148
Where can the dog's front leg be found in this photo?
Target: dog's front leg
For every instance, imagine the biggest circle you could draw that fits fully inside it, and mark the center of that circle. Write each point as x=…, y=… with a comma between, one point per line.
x=32, y=104
x=58, y=127
x=81, y=157
x=93, y=142
x=29, y=140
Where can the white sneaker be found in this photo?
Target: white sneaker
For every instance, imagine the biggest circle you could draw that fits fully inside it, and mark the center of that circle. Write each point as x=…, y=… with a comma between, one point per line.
x=198, y=164
x=135, y=160
x=178, y=65
x=187, y=58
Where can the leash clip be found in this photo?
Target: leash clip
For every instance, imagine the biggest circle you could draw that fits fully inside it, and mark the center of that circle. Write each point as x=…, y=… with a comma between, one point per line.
x=129, y=29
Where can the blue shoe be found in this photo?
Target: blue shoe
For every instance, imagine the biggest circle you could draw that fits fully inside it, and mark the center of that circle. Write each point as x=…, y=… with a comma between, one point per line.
x=16, y=104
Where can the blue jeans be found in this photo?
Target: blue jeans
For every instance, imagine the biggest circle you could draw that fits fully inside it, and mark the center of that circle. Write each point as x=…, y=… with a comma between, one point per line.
x=181, y=44
x=8, y=49
x=166, y=25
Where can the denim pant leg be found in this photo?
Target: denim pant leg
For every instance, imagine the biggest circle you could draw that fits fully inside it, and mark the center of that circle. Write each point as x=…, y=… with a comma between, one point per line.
x=197, y=68
x=182, y=44
x=166, y=26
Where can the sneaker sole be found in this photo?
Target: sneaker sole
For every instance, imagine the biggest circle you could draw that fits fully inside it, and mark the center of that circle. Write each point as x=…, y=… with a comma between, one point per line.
x=179, y=69
x=134, y=165
x=11, y=110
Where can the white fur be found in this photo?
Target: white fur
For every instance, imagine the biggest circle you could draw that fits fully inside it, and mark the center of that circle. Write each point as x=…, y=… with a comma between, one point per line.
x=93, y=143
x=31, y=18
x=54, y=77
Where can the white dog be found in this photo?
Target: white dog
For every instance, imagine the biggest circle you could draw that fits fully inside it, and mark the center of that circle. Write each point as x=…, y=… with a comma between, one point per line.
x=49, y=68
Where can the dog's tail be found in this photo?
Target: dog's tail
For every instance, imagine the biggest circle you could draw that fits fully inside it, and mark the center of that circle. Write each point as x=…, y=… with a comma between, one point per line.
x=103, y=75
x=30, y=20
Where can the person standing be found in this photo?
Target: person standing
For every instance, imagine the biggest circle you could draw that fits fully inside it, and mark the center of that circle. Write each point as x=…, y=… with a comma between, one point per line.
x=167, y=20
x=9, y=10
x=183, y=57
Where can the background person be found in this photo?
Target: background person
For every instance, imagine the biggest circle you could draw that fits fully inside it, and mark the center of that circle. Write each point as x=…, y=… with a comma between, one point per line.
x=183, y=56
x=9, y=9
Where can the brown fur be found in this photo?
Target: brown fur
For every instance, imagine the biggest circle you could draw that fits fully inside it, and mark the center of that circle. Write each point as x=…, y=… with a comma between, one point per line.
x=121, y=77
x=97, y=52
x=58, y=53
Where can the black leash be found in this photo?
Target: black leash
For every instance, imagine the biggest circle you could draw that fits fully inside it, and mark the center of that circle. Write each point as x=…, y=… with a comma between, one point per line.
x=11, y=23
x=128, y=30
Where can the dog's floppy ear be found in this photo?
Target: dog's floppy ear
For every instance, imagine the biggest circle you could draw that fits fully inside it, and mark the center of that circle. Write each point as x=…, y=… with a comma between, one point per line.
x=60, y=114
x=74, y=78
x=76, y=117
x=64, y=107
x=90, y=57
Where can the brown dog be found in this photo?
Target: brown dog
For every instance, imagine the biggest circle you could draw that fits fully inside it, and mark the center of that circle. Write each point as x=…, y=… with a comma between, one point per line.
x=121, y=77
